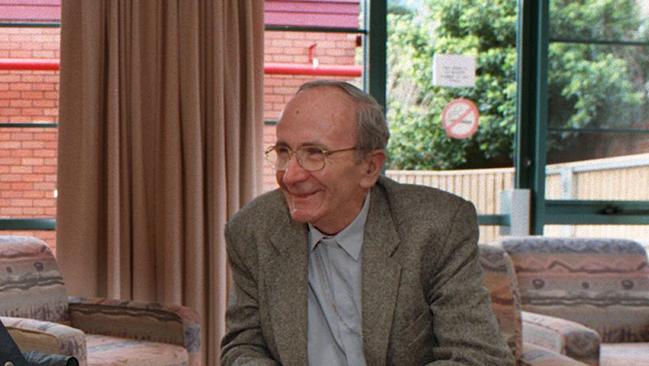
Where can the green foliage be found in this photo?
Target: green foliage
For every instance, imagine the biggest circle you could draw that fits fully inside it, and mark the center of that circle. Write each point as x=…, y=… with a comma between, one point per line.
x=588, y=85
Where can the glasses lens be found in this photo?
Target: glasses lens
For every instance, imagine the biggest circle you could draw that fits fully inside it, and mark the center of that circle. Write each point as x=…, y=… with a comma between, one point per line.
x=311, y=158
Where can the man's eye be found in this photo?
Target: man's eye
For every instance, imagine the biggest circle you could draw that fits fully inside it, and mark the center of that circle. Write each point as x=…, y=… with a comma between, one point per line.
x=282, y=151
x=313, y=151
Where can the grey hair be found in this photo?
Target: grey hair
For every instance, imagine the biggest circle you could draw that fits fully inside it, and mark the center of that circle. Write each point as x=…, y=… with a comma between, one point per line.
x=371, y=127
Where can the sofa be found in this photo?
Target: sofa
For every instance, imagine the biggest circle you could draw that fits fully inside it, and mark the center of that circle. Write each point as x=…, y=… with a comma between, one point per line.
x=598, y=282
x=553, y=344
x=41, y=317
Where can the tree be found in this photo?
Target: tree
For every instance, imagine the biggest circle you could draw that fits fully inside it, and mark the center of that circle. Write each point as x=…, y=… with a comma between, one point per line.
x=588, y=84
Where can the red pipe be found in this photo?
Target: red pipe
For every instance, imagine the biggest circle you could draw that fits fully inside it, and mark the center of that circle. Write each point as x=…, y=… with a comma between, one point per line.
x=269, y=68
x=28, y=64
x=307, y=69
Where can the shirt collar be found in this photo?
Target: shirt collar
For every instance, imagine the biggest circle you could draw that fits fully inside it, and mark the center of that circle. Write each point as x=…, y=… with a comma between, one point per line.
x=351, y=237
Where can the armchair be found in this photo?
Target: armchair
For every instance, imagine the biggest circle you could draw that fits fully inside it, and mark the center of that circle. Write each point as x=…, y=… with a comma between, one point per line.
x=535, y=340
x=40, y=317
x=601, y=283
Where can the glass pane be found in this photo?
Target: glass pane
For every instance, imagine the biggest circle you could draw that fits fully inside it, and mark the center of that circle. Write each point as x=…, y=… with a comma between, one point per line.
x=28, y=156
x=615, y=20
x=598, y=86
x=323, y=13
x=293, y=58
x=599, y=166
x=424, y=148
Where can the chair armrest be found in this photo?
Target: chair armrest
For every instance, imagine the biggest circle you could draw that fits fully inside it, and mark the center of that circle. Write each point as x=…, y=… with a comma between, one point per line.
x=562, y=336
x=538, y=356
x=46, y=337
x=173, y=324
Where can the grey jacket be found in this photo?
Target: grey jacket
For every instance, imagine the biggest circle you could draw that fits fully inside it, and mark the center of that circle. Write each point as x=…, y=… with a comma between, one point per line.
x=423, y=301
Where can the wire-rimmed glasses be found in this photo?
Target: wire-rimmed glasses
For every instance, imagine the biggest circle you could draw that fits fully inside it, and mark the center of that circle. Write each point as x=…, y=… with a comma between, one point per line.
x=310, y=157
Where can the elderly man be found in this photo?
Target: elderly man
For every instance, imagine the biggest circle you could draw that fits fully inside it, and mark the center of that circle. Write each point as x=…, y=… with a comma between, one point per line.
x=341, y=266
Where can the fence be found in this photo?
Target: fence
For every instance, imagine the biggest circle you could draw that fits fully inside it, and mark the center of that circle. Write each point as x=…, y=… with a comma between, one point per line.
x=619, y=178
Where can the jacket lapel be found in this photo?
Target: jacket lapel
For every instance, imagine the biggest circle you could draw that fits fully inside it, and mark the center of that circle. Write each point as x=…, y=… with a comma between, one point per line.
x=287, y=292
x=380, y=279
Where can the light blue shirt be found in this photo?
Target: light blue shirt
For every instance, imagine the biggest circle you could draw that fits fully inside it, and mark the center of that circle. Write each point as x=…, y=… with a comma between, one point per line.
x=335, y=327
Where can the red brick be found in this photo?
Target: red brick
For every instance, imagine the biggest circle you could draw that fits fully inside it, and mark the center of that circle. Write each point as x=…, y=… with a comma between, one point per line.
x=22, y=186
x=45, y=169
x=9, y=144
x=35, y=211
x=16, y=53
x=32, y=161
x=20, y=202
x=43, y=202
x=10, y=195
x=20, y=86
x=33, y=177
x=8, y=95
x=49, y=54
x=22, y=136
x=45, y=153
x=44, y=186
x=18, y=169
x=43, y=86
x=10, y=211
x=33, y=144
x=22, y=153
x=45, y=103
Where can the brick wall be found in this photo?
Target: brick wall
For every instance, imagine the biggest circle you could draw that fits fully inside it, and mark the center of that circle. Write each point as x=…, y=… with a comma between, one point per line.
x=28, y=155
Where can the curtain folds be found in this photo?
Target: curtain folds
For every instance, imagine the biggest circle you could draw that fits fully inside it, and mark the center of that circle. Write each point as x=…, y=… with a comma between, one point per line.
x=159, y=143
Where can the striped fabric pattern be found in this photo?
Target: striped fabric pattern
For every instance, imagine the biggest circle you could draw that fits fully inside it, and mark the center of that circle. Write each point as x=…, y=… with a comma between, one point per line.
x=31, y=285
x=501, y=282
x=601, y=283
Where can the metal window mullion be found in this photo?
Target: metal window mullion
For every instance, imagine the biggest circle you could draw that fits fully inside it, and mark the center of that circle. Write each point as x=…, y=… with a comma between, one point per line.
x=375, y=75
x=531, y=105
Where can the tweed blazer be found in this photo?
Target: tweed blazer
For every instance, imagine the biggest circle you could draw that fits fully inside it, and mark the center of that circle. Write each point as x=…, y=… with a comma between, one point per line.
x=423, y=300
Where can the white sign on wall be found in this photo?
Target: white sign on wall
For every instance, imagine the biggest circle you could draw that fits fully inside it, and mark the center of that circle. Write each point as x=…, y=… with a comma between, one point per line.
x=454, y=71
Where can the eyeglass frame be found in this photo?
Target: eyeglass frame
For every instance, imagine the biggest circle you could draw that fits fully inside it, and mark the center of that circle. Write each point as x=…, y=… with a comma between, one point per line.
x=291, y=153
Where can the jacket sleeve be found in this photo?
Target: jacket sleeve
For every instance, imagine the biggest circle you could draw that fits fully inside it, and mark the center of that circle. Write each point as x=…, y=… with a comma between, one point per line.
x=243, y=343
x=464, y=325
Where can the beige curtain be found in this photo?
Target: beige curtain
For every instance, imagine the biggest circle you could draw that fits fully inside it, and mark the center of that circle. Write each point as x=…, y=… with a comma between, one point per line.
x=159, y=143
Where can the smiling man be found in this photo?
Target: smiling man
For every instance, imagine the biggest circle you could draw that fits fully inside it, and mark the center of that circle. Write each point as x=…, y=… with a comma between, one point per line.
x=341, y=266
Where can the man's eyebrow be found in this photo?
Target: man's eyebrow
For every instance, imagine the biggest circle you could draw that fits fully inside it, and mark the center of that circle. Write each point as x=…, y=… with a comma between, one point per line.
x=305, y=144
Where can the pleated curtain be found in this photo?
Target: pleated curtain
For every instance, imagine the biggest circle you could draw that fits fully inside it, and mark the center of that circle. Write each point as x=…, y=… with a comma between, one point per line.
x=160, y=141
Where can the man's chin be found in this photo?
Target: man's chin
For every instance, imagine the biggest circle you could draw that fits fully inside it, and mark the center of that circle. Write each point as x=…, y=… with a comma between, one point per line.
x=300, y=215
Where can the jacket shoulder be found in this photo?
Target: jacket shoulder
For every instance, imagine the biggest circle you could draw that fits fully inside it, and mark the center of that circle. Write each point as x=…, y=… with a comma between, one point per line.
x=260, y=212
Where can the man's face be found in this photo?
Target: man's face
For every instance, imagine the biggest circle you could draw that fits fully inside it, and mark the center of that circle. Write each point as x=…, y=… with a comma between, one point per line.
x=332, y=197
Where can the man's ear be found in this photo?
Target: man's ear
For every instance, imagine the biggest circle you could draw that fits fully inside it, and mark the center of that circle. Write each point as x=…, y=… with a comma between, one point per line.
x=373, y=163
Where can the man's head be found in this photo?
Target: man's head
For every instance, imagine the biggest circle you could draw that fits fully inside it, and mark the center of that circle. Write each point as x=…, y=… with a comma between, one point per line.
x=339, y=134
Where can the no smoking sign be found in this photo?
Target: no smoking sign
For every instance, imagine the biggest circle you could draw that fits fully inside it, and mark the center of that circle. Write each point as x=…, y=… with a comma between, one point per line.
x=460, y=118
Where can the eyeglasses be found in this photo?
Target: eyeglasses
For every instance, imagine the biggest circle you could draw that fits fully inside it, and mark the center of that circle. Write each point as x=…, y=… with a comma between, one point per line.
x=310, y=158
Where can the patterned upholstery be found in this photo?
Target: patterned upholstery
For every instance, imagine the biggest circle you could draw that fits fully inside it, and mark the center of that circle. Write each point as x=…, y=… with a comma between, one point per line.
x=500, y=279
x=97, y=331
x=601, y=283
x=501, y=282
x=31, y=285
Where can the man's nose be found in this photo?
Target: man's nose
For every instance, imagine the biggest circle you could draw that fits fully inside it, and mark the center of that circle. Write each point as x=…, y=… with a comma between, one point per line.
x=294, y=172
